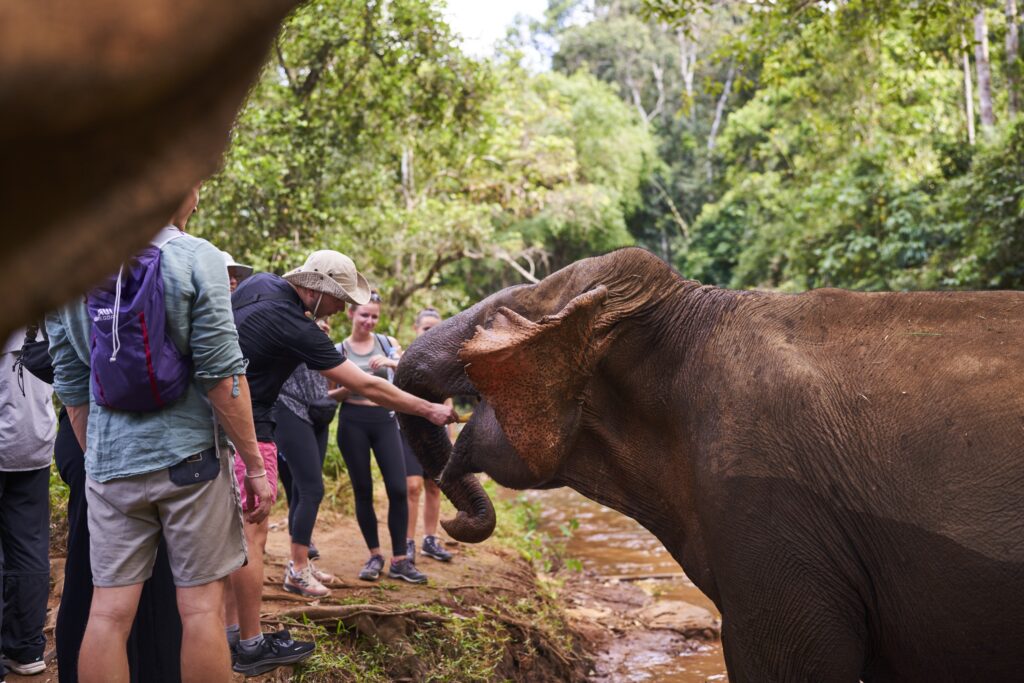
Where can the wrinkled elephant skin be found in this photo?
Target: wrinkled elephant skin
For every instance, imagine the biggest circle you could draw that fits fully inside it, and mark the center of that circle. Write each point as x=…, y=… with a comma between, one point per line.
x=842, y=473
x=112, y=110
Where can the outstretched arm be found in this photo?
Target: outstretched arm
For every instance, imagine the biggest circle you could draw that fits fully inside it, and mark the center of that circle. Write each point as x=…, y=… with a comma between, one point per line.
x=386, y=394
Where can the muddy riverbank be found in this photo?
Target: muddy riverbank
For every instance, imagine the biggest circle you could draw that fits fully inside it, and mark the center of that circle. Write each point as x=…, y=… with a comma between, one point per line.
x=644, y=620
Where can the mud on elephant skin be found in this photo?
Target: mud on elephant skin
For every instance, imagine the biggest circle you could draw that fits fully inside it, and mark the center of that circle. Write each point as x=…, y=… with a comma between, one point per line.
x=840, y=472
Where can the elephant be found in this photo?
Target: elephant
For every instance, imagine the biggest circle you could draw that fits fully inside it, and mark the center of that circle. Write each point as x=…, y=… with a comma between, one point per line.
x=842, y=473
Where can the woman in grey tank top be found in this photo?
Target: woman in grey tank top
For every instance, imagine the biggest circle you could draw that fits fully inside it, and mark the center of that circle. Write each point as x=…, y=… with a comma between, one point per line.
x=363, y=426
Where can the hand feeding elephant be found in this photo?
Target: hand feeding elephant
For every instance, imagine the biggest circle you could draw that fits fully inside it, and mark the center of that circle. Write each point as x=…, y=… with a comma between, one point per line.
x=842, y=473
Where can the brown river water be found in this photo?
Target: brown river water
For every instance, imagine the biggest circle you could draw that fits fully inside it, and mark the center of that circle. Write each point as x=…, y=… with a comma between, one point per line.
x=612, y=545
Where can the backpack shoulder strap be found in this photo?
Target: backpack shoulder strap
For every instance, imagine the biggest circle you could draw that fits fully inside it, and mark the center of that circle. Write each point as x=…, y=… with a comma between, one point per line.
x=389, y=351
x=385, y=344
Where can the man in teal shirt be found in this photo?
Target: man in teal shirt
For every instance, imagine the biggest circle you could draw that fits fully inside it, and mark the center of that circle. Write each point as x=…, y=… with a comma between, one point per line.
x=131, y=497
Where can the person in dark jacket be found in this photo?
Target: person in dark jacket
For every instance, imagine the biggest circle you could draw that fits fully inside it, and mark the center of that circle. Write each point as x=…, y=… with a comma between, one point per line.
x=155, y=639
x=302, y=417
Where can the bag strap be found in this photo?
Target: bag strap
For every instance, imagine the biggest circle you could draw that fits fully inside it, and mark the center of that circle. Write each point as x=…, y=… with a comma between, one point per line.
x=389, y=350
x=385, y=344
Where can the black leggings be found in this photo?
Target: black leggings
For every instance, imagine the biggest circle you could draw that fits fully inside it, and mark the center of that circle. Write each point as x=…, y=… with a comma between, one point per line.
x=361, y=428
x=154, y=644
x=301, y=449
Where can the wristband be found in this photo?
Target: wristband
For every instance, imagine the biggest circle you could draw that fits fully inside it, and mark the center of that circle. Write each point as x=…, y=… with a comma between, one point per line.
x=256, y=476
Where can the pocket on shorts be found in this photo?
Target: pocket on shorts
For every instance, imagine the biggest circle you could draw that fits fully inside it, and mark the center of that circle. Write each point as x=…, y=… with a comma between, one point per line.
x=195, y=469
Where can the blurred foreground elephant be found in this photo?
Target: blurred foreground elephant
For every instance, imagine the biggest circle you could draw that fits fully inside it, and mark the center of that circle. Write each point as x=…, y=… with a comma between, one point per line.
x=109, y=111
x=842, y=473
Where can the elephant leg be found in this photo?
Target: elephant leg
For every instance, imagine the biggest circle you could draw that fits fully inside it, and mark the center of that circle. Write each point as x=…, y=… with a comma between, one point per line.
x=785, y=643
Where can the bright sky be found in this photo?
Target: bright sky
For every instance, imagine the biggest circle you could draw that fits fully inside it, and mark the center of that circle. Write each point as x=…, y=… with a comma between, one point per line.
x=483, y=22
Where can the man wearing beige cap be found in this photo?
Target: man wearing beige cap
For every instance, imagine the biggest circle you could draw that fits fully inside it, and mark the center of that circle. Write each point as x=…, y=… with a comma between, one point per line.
x=276, y=334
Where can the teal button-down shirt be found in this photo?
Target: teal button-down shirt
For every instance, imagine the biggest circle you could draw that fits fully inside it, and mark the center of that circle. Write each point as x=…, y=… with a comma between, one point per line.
x=199, y=321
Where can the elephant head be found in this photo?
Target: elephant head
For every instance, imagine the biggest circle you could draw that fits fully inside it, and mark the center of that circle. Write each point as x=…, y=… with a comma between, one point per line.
x=531, y=354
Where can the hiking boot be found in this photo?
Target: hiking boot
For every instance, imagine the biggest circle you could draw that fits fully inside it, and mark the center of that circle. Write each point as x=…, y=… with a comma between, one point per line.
x=372, y=569
x=277, y=649
x=36, y=666
x=410, y=550
x=312, y=553
x=406, y=571
x=304, y=583
x=432, y=548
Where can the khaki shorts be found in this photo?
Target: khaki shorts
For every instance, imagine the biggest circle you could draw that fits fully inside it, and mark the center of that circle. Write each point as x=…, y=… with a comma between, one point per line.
x=201, y=523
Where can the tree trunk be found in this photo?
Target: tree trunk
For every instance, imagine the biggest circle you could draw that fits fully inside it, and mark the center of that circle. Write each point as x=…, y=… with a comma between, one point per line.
x=408, y=178
x=719, y=111
x=968, y=90
x=984, y=69
x=687, y=65
x=1013, y=56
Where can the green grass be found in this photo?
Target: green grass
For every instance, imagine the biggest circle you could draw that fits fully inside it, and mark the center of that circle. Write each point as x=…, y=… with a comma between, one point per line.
x=459, y=648
x=519, y=527
x=58, y=513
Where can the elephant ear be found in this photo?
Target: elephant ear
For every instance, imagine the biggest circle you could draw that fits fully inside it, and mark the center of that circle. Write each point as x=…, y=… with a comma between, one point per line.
x=534, y=374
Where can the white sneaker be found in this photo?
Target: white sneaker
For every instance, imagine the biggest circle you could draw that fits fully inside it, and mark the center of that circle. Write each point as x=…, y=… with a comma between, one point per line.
x=304, y=583
x=24, y=668
x=320, y=575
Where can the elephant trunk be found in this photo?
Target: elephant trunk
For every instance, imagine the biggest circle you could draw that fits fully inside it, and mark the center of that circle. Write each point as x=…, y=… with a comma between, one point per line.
x=433, y=372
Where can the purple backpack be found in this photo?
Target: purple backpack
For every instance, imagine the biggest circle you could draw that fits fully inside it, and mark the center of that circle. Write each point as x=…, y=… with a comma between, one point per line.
x=135, y=364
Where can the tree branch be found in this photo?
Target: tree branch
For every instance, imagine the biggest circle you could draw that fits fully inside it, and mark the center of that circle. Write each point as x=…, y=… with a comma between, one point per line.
x=289, y=73
x=677, y=217
x=719, y=111
x=400, y=296
x=659, y=82
x=528, y=275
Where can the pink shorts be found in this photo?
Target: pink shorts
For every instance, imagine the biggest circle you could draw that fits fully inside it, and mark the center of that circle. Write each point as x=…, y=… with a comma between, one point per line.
x=268, y=450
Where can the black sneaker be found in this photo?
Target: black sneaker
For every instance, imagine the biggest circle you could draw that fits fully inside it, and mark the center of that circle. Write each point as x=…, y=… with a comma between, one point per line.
x=410, y=550
x=372, y=569
x=312, y=553
x=29, y=668
x=232, y=648
x=432, y=548
x=406, y=571
x=277, y=649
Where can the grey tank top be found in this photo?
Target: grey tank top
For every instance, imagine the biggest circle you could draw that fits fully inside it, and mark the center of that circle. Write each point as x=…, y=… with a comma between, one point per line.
x=363, y=362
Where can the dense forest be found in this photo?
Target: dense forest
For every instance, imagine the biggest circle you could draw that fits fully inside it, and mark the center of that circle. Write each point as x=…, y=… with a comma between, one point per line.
x=783, y=144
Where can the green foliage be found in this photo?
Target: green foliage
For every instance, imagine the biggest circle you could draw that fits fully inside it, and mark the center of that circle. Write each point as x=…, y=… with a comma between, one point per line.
x=765, y=143
x=672, y=75
x=371, y=133
x=983, y=213
x=848, y=166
